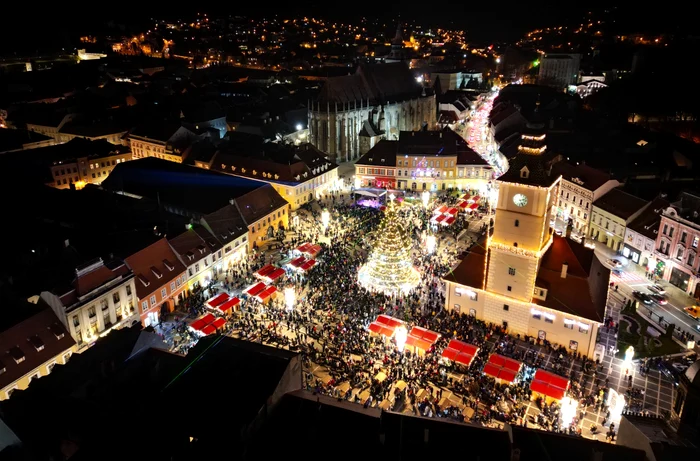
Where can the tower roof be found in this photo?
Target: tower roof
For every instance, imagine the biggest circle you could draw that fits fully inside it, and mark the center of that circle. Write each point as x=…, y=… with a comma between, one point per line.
x=531, y=166
x=398, y=38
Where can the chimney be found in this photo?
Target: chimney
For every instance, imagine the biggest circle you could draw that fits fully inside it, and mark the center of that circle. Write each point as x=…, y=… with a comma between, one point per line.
x=66, y=243
x=231, y=201
x=564, y=269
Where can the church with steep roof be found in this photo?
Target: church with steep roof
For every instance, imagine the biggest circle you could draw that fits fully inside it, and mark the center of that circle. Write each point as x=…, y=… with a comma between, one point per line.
x=352, y=113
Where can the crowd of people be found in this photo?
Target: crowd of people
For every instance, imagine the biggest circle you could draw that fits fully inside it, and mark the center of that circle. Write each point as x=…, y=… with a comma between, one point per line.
x=328, y=326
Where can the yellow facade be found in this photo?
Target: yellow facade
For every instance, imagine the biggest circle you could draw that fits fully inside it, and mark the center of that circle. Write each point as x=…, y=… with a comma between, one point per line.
x=86, y=171
x=142, y=148
x=40, y=371
x=260, y=229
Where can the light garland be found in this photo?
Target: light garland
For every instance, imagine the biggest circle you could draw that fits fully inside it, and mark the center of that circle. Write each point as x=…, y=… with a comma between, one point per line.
x=389, y=268
x=532, y=150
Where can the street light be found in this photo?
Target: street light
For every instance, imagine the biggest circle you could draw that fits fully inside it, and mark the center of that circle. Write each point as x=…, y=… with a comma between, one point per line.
x=299, y=127
x=289, y=298
x=325, y=218
x=425, y=197
x=430, y=244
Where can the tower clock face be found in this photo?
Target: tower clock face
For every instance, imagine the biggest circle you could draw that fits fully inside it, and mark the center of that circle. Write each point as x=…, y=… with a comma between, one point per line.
x=520, y=200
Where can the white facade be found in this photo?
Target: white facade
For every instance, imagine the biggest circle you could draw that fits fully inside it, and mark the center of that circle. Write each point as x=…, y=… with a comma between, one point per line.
x=576, y=202
x=638, y=247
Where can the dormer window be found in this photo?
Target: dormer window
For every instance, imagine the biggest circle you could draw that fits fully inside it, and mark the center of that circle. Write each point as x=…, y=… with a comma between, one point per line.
x=170, y=266
x=144, y=281
x=524, y=172
x=201, y=249
x=57, y=331
x=156, y=272
x=36, y=342
x=17, y=354
x=189, y=255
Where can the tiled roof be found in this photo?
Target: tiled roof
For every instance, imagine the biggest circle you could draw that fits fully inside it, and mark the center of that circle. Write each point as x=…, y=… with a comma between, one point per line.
x=33, y=342
x=619, y=203
x=150, y=266
x=648, y=221
x=539, y=172
x=382, y=154
x=190, y=246
x=584, y=290
x=87, y=281
x=592, y=178
x=226, y=224
x=259, y=203
x=376, y=83
x=470, y=271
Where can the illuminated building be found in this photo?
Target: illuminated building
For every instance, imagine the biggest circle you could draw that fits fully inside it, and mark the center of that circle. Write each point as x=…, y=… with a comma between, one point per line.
x=389, y=268
x=423, y=160
x=354, y=112
x=610, y=216
x=201, y=253
x=559, y=70
x=641, y=235
x=523, y=276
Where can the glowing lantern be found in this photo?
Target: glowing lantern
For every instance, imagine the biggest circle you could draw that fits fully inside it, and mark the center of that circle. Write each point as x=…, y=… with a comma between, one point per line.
x=400, y=335
x=289, y=298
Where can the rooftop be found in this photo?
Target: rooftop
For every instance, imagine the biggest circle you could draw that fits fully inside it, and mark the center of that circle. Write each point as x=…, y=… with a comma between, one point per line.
x=620, y=203
x=11, y=140
x=91, y=276
x=647, y=223
x=194, y=245
x=154, y=267
x=581, y=175
x=226, y=224
x=189, y=189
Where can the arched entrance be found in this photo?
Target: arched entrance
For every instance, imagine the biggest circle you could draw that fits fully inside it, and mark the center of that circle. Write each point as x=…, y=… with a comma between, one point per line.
x=270, y=232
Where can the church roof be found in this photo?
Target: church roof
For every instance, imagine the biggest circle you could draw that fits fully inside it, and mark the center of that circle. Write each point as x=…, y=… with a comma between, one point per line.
x=376, y=83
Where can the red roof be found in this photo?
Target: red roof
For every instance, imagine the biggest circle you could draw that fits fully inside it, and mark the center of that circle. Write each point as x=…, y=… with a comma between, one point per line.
x=389, y=321
x=209, y=329
x=314, y=250
x=231, y=303
x=275, y=274
x=549, y=384
x=502, y=367
x=218, y=300
x=256, y=289
x=466, y=197
x=453, y=211
x=154, y=267
x=218, y=323
x=308, y=265
x=442, y=209
x=491, y=370
x=440, y=218
x=298, y=262
x=200, y=323
x=265, y=270
x=449, y=220
x=465, y=359
x=424, y=334
x=462, y=205
x=449, y=354
x=476, y=198
x=418, y=343
x=473, y=206
x=461, y=346
x=267, y=292
x=303, y=248
x=380, y=329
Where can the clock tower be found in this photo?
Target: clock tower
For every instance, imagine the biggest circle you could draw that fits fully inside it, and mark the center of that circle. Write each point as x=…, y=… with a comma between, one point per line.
x=522, y=231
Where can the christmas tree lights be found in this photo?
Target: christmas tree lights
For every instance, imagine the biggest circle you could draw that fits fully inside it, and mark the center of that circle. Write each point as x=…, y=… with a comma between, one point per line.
x=389, y=268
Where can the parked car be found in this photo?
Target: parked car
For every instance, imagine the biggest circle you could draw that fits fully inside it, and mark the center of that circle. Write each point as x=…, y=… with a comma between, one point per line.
x=658, y=299
x=657, y=289
x=643, y=297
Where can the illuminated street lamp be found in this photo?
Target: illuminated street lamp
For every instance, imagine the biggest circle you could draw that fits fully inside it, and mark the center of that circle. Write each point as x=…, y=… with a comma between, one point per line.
x=568, y=411
x=425, y=197
x=289, y=298
x=400, y=335
x=629, y=355
x=325, y=218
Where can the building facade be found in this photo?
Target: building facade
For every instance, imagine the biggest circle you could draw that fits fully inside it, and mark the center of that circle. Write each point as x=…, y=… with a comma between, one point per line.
x=201, y=253
x=228, y=227
x=90, y=169
x=581, y=185
x=160, y=280
x=31, y=350
x=352, y=113
x=167, y=142
x=677, y=244
x=559, y=70
x=641, y=235
x=525, y=278
x=101, y=297
x=610, y=216
x=423, y=160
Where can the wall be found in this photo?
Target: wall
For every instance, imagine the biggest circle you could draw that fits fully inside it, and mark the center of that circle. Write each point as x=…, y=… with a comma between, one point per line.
x=42, y=370
x=258, y=231
x=173, y=287
x=510, y=270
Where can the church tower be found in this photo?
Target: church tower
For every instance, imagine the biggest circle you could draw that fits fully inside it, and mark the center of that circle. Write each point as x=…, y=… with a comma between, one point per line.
x=522, y=230
x=396, y=54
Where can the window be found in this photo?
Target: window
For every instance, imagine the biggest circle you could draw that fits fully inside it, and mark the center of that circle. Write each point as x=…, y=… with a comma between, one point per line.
x=457, y=308
x=172, y=286
x=691, y=259
x=569, y=324
x=537, y=315
x=115, y=298
x=679, y=254
x=91, y=312
x=510, y=288
x=695, y=241
x=458, y=292
x=511, y=271
x=506, y=307
x=472, y=312
x=517, y=223
x=583, y=328
x=163, y=292
x=670, y=232
x=76, y=321
x=684, y=236
x=153, y=300
x=144, y=306
x=128, y=290
x=474, y=296
x=665, y=229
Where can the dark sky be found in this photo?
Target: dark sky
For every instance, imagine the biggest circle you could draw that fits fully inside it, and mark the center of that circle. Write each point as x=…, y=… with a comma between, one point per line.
x=484, y=21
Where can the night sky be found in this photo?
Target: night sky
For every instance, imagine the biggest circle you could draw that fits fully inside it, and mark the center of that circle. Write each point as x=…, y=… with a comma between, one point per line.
x=484, y=21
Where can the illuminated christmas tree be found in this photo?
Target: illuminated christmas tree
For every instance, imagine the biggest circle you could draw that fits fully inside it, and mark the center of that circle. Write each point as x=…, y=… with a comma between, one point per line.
x=389, y=268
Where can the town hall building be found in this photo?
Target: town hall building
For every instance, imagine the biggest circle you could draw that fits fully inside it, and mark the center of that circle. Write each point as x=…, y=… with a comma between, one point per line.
x=352, y=113
x=525, y=277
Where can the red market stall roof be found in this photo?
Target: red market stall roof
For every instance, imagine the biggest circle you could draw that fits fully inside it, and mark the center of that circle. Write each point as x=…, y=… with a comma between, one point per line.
x=441, y=210
x=314, y=250
x=449, y=220
x=452, y=211
x=199, y=324
x=460, y=352
x=549, y=384
x=501, y=367
x=231, y=303
x=275, y=274
x=218, y=300
x=265, y=270
x=267, y=292
x=418, y=342
x=462, y=205
x=389, y=321
x=466, y=197
x=209, y=329
x=308, y=265
x=303, y=248
x=256, y=289
x=218, y=323
x=440, y=218
x=380, y=329
x=298, y=262
x=473, y=206
x=476, y=198
x=424, y=334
